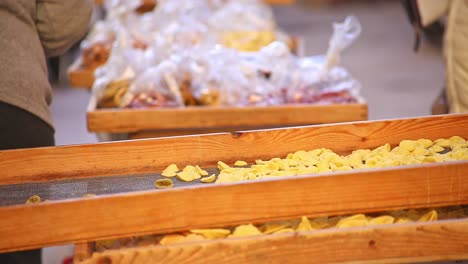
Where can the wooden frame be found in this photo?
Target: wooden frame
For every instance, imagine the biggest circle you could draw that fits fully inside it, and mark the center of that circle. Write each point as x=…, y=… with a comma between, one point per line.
x=402, y=243
x=79, y=77
x=152, y=122
x=118, y=215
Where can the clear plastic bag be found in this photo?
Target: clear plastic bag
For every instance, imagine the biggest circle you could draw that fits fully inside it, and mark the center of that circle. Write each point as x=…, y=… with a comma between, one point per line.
x=319, y=79
x=113, y=78
x=154, y=87
x=344, y=34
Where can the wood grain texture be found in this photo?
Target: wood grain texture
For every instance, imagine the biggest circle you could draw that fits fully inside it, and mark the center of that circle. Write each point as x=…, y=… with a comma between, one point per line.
x=153, y=155
x=216, y=205
x=407, y=243
x=134, y=120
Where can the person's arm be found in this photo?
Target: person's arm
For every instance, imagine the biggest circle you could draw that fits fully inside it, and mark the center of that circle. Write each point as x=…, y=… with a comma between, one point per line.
x=61, y=23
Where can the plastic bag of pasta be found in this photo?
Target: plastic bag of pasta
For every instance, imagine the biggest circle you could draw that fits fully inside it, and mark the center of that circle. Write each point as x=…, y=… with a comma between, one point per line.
x=307, y=85
x=154, y=87
x=113, y=78
x=320, y=79
x=244, y=25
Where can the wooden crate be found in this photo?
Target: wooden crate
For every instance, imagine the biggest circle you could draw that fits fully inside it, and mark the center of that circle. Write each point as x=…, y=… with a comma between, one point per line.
x=183, y=208
x=153, y=122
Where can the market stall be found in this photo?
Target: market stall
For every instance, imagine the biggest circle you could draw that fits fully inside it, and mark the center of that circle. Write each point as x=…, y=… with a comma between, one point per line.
x=300, y=176
x=205, y=68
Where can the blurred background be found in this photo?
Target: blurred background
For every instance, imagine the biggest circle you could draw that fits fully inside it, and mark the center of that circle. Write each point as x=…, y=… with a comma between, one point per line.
x=396, y=81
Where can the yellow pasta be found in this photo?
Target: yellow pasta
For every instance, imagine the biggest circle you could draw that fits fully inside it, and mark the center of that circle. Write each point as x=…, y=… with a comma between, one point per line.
x=208, y=179
x=245, y=230
x=353, y=221
x=408, y=152
x=211, y=233
x=408, y=145
x=222, y=166
x=163, y=183
x=240, y=163
x=34, y=199
x=170, y=171
x=271, y=228
x=201, y=171
x=429, y=216
x=382, y=220
x=304, y=225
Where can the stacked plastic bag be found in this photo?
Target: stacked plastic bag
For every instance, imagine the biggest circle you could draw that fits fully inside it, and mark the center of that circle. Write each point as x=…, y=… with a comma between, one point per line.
x=217, y=53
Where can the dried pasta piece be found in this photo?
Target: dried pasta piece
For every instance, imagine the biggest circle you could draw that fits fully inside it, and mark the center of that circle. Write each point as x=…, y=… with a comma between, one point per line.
x=34, y=199
x=420, y=151
x=222, y=166
x=323, y=165
x=456, y=140
x=304, y=225
x=436, y=149
x=285, y=230
x=271, y=228
x=408, y=145
x=426, y=143
x=201, y=171
x=382, y=220
x=211, y=233
x=192, y=238
x=353, y=221
x=163, y=183
x=245, y=230
x=171, y=239
x=445, y=143
x=240, y=163
x=186, y=176
x=429, y=216
x=208, y=179
x=170, y=171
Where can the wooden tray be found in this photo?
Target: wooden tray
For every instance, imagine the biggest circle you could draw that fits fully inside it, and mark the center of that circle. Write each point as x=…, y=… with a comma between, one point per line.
x=78, y=77
x=183, y=208
x=147, y=123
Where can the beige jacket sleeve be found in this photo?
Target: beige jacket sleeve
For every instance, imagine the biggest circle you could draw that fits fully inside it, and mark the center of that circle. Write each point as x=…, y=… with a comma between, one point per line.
x=432, y=10
x=61, y=23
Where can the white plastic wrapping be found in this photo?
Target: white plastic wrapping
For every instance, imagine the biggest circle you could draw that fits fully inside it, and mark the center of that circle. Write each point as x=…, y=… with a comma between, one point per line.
x=184, y=63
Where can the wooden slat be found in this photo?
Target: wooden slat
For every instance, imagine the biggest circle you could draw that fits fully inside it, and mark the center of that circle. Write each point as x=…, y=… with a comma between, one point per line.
x=407, y=243
x=143, y=156
x=163, y=211
x=133, y=120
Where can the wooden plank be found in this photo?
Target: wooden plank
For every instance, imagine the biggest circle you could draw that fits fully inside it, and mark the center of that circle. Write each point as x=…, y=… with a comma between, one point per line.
x=79, y=77
x=163, y=211
x=143, y=156
x=402, y=243
x=134, y=120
